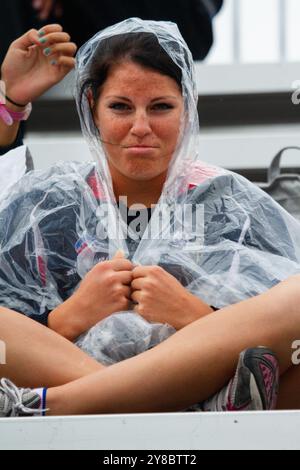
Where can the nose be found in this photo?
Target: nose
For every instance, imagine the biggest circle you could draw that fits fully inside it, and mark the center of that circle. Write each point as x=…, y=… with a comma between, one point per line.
x=141, y=125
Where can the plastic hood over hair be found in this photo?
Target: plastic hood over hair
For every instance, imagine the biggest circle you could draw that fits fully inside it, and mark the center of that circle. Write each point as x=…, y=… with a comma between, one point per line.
x=234, y=243
x=172, y=42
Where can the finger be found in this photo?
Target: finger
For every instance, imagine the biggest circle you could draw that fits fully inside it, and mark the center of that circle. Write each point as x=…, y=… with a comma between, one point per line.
x=119, y=254
x=54, y=38
x=136, y=296
x=140, y=271
x=137, y=284
x=144, y=271
x=66, y=62
x=50, y=28
x=68, y=49
x=121, y=265
x=28, y=39
x=137, y=309
x=126, y=291
x=124, y=277
x=33, y=37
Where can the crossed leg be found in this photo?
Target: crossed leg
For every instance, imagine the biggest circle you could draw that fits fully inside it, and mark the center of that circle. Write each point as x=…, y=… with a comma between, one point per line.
x=36, y=355
x=187, y=368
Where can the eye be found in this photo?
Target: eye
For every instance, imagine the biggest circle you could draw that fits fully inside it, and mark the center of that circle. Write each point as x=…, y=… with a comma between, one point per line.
x=119, y=106
x=163, y=106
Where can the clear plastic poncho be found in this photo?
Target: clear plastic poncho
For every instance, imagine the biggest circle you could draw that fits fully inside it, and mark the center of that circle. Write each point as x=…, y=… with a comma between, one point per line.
x=222, y=237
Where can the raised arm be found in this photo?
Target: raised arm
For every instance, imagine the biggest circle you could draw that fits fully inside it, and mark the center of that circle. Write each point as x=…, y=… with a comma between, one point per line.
x=34, y=63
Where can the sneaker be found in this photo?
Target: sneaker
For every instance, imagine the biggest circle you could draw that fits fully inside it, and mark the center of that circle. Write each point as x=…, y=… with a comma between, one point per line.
x=16, y=401
x=254, y=386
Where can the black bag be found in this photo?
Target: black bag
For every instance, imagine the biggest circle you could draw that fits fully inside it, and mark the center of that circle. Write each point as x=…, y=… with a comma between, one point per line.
x=284, y=187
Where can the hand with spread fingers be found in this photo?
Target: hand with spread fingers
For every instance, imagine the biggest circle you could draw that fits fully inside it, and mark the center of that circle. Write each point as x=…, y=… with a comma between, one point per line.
x=36, y=61
x=160, y=298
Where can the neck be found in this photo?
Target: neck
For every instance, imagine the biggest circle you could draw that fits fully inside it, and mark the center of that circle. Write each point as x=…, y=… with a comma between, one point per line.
x=139, y=192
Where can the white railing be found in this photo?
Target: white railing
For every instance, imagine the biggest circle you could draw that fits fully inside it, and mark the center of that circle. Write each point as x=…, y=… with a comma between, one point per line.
x=182, y=431
x=257, y=31
x=254, y=149
x=256, y=50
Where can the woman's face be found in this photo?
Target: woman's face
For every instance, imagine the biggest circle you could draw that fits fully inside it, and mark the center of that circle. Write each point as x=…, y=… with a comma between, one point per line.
x=138, y=115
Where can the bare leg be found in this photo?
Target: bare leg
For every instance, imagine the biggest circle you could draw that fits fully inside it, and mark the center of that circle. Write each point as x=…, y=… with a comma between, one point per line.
x=193, y=364
x=36, y=356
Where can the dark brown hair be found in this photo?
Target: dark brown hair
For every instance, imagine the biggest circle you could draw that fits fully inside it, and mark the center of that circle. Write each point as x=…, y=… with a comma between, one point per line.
x=140, y=48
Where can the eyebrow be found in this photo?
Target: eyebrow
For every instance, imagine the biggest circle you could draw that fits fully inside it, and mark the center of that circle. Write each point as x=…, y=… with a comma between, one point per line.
x=155, y=99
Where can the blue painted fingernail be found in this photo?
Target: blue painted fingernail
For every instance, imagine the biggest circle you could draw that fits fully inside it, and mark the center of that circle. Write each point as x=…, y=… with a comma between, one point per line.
x=53, y=62
x=47, y=51
x=41, y=34
x=43, y=40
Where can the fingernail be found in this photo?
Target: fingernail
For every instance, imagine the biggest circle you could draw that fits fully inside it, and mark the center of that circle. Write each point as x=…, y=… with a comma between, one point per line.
x=43, y=40
x=47, y=51
x=41, y=34
x=53, y=62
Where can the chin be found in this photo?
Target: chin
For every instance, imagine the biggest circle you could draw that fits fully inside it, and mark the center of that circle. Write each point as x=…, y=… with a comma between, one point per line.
x=142, y=177
x=143, y=174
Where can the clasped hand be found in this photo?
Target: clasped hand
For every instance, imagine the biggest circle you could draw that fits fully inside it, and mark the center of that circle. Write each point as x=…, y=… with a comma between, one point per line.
x=118, y=285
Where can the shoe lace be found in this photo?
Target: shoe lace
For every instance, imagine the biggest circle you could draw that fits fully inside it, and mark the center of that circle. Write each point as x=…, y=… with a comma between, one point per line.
x=15, y=395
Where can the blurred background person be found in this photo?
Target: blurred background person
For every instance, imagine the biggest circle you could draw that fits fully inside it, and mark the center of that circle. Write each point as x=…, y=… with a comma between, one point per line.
x=82, y=18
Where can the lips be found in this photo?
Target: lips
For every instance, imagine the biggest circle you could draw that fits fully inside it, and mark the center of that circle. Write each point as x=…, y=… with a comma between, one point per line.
x=140, y=150
x=141, y=146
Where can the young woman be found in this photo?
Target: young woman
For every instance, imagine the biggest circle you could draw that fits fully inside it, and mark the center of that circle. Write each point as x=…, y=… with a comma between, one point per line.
x=138, y=106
